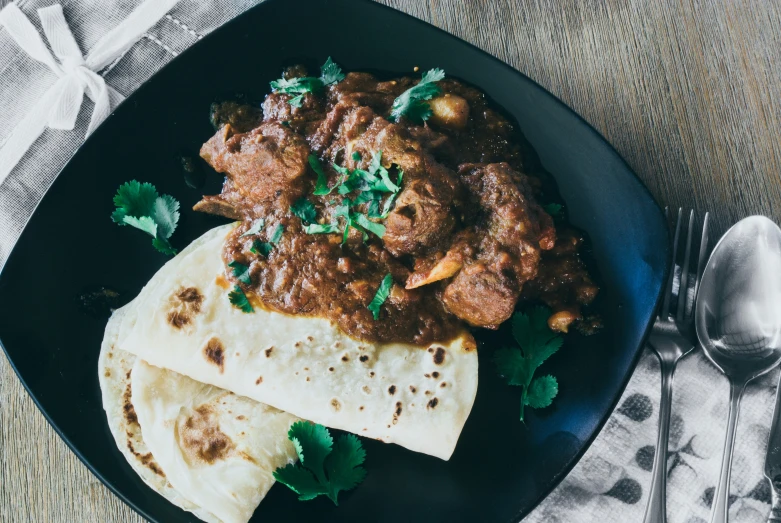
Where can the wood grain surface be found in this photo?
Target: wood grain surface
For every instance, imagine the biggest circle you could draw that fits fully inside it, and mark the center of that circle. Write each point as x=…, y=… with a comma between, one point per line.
x=688, y=91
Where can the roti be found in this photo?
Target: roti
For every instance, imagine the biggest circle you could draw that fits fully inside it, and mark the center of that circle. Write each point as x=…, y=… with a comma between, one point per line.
x=204, y=449
x=417, y=397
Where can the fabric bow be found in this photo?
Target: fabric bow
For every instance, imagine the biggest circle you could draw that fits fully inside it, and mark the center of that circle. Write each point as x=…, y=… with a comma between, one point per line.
x=59, y=107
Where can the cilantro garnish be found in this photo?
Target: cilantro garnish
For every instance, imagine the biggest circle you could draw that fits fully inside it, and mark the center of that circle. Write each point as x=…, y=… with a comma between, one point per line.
x=381, y=296
x=264, y=248
x=304, y=209
x=330, y=73
x=140, y=206
x=518, y=365
x=240, y=271
x=412, y=102
x=324, y=467
x=239, y=300
x=255, y=229
x=554, y=209
x=317, y=228
x=277, y=235
x=364, y=222
x=356, y=156
x=321, y=186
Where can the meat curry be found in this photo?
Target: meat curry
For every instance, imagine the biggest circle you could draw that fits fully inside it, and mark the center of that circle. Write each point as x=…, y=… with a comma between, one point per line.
x=334, y=193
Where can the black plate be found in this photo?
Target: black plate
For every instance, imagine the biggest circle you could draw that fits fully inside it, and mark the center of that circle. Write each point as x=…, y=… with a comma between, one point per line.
x=501, y=469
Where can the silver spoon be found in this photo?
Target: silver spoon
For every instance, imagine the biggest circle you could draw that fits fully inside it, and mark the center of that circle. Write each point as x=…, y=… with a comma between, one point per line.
x=738, y=319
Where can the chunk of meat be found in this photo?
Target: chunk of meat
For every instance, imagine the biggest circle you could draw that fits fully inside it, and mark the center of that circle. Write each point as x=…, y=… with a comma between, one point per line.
x=481, y=296
x=218, y=206
x=422, y=219
x=267, y=166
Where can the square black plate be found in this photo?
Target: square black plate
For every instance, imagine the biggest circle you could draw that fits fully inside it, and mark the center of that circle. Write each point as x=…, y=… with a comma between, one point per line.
x=501, y=469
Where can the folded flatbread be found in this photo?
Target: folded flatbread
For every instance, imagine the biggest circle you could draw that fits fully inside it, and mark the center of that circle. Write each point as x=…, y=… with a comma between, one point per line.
x=417, y=397
x=204, y=449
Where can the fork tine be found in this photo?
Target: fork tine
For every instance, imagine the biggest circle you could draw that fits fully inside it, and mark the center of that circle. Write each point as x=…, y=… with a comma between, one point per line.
x=702, y=258
x=664, y=312
x=683, y=288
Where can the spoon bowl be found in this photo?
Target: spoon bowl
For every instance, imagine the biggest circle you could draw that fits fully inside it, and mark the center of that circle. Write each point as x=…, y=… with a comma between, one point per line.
x=738, y=320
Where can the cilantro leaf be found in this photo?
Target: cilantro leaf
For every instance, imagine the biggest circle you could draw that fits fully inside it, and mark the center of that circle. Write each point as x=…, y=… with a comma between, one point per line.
x=144, y=223
x=542, y=391
x=263, y=248
x=321, y=186
x=325, y=467
x=362, y=221
x=412, y=102
x=386, y=209
x=241, y=272
x=554, y=209
x=344, y=465
x=356, y=156
x=165, y=213
x=300, y=480
x=317, y=228
x=381, y=296
x=536, y=344
x=164, y=246
x=134, y=198
x=304, y=209
x=277, y=235
x=255, y=228
x=239, y=300
x=140, y=206
x=330, y=73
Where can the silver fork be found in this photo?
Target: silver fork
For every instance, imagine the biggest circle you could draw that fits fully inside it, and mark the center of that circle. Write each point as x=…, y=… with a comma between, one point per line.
x=673, y=337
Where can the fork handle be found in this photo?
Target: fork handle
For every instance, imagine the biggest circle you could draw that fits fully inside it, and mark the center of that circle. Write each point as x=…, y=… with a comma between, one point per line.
x=656, y=510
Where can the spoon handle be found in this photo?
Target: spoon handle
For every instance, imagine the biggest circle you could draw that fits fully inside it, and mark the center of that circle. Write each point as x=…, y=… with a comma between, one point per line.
x=721, y=497
x=656, y=510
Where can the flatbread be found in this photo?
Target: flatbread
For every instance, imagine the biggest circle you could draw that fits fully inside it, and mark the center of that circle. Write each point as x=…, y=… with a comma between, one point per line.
x=218, y=450
x=204, y=449
x=398, y=393
x=114, y=372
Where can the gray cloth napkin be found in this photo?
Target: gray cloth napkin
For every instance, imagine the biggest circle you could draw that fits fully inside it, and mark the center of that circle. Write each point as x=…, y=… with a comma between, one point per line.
x=610, y=483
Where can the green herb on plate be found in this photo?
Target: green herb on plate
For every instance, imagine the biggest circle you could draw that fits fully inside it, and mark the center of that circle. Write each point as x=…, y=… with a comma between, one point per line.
x=382, y=294
x=239, y=300
x=325, y=467
x=304, y=209
x=255, y=229
x=240, y=271
x=412, y=102
x=536, y=344
x=140, y=206
x=330, y=73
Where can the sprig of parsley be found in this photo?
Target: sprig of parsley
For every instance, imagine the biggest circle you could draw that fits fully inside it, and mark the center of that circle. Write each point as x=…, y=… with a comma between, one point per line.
x=265, y=248
x=239, y=300
x=325, y=467
x=140, y=206
x=518, y=365
x=241, y=272
x=255, y=228
x=330, y=73
x=412, y=102
x=382, y=294
x=555, y=210
x=304, y=209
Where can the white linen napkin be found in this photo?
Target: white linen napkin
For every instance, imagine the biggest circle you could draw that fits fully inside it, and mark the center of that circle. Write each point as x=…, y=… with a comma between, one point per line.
x=610, y=483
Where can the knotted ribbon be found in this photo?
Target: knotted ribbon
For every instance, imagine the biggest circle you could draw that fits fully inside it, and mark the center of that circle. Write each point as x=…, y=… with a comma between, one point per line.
x=59, y=107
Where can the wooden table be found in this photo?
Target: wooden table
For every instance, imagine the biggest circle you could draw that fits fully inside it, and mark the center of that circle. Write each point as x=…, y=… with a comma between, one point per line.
x=688, y=91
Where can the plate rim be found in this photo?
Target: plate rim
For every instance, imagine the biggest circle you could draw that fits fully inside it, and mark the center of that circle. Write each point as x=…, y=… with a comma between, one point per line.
x=610, y=149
